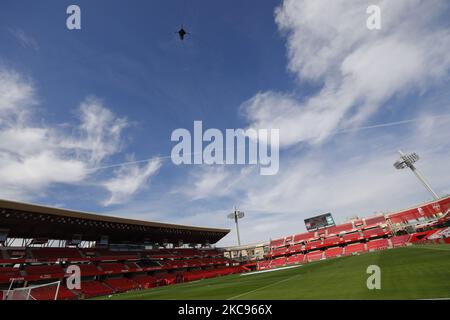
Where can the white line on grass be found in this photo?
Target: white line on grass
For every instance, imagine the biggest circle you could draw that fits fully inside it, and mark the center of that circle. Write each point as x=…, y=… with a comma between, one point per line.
x=429, y=248
x=269, y=270
x=269, y=285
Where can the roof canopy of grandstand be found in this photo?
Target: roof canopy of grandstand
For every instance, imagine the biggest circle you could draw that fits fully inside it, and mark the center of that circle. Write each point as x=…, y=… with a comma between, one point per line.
x=23, y=220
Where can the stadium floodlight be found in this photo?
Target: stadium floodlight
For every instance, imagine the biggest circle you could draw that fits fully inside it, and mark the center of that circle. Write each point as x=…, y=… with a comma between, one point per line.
x=236, y=215
x=407, y=161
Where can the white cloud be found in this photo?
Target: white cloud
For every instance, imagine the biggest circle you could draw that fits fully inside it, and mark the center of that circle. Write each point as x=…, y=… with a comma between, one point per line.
x=16, y=94
x=34, y=156
x=128, y=180
x=24, y=39
x=99, y=132
x=210, y=182
x=213, y=182
x=358, y=70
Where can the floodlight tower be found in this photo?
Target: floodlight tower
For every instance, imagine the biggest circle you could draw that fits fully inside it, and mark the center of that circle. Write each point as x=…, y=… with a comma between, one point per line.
x=408, y=160
x=236, y=215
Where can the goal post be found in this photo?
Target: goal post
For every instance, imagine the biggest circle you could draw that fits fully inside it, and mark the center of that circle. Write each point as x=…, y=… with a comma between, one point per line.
x=47, y=291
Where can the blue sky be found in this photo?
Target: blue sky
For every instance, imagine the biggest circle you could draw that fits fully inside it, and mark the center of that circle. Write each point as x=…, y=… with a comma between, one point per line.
x=114, y=91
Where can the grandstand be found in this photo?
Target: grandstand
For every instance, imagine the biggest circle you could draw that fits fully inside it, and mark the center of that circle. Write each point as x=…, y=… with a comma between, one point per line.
x=379, y=232
x=117, y=255
x=114, y=254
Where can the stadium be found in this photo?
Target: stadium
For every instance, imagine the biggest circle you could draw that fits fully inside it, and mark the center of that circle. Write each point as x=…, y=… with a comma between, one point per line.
x=128, y=130
x=129, y=259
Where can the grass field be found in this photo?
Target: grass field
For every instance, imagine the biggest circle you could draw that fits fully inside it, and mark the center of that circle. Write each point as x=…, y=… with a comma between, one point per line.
x=416, y=272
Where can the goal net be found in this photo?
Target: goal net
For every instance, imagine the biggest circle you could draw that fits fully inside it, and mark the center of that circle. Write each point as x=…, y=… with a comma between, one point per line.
x=48, y=291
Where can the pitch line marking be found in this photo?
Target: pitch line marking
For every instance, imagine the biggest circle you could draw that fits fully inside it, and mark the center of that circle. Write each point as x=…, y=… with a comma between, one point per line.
x=269, y=285
x=269, y=270
x=439, y=249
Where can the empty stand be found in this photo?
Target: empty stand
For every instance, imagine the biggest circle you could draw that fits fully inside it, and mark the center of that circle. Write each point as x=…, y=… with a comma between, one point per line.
x=377, y=244
x=331, y=241
x=121, y=284
x=279, y=252
x=345, y=227
x=145, y=282
x=333, y=252
x=165, y=279
x=400, y=241
x=7, y=273
x=113, y=267
x=351, y=237
x=133, y=267
x=313, y=244
x=375, y=221
x=374, y=232
x=295, y=248
x=354, y=248
x=302, y=237
x=91, y=289
x=49, y=254
x=278, y=262
x=49, y=292
x=314, y=255
x=38, y=272
x=277, y=243
x=89, y=270
x=262, y=265
x=295, y=259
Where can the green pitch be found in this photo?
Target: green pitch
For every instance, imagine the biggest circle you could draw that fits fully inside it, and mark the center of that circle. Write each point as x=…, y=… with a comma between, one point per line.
x=416, y=272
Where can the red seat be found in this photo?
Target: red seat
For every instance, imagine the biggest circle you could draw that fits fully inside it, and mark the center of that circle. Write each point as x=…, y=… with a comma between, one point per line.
x=298, y=258
x=331, y=241
x=37, y=272
x=313, y=244
x=133, y=266
x=377, y=244
x=295, y=248
x=400, y=241
x=121, y=284
x=145, y=282
x=279, y=252
x=55, y=253
x=314, y=256
x=345, y=227
x=94, y=288
x=333, y=252
x=6, y=274
x=372, y=233
x=351, y=237
x=49, y=292
x=277, y=243
x=262, y=265
x=166, y=279
x=113, y=268
x=278, y=262
x=89, y=270
x=375, y=221
x=354, y=248
x=303, y=237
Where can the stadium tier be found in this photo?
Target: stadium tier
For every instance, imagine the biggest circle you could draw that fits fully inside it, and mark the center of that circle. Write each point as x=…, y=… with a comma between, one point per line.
x=379, y=232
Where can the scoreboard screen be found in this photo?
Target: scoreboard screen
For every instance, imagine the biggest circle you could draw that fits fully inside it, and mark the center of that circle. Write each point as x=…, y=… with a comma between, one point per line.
x=322, y=221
